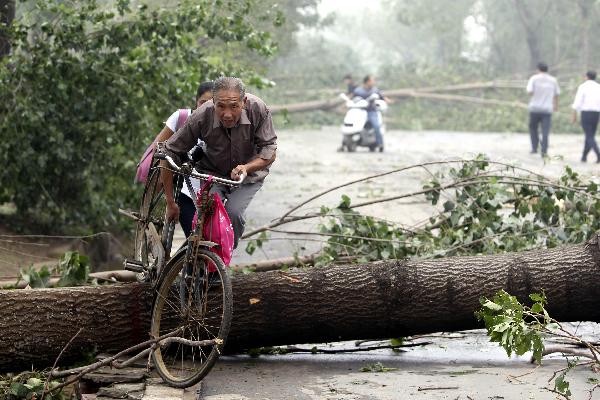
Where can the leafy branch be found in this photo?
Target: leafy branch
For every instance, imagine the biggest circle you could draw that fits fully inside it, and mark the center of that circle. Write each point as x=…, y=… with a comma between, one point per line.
x=519, y=328
x=482, y=207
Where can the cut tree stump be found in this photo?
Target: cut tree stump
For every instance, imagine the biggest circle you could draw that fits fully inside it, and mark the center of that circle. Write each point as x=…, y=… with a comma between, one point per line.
x=377, y=300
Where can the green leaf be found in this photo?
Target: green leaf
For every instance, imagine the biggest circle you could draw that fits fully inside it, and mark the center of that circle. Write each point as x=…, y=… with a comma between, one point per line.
x=561, y=385
x=537, y=308
x=536, y=297
x=19, y=390
x=448, y=206
x=345, y=203
x=491, y=305
x=251, y=247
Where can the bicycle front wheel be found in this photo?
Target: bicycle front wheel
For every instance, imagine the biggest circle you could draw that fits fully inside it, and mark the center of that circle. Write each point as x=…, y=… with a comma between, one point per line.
x=192, y=304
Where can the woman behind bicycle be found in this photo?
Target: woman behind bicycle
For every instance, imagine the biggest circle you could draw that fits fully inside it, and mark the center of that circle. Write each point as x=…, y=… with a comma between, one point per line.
x=173, y=123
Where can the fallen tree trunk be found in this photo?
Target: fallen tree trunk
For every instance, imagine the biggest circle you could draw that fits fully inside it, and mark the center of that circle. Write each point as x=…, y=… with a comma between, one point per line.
x=378, y=300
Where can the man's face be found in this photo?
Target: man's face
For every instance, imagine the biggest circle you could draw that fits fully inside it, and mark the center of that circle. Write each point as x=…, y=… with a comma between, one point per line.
x=370, y=83
x=206, y=96
x=228, y=107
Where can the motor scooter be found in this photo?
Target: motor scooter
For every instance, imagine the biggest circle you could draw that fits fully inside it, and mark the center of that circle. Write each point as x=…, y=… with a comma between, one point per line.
x=357, y=130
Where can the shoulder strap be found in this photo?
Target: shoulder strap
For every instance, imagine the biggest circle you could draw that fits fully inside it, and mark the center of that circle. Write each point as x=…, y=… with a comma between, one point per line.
x=182, y=117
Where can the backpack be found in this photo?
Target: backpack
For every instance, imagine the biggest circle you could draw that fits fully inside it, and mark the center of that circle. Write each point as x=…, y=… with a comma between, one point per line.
x=143, y=167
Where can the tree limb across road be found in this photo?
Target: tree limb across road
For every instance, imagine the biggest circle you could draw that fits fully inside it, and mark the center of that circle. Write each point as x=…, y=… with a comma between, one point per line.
x=431, y=93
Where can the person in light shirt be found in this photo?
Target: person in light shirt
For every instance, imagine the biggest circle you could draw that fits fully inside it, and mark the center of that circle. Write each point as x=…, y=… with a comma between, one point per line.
x=544, y=90
x=587, y=103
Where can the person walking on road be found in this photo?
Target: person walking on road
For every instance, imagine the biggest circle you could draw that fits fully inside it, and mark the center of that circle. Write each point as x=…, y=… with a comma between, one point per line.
x=544, y=90
x=587, y=102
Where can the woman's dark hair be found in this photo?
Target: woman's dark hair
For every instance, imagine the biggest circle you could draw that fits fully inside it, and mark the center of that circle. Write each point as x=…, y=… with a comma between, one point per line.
x=203, y=88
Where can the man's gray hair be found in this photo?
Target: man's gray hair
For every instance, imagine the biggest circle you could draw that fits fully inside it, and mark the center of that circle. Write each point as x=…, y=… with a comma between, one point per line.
x=229, y=83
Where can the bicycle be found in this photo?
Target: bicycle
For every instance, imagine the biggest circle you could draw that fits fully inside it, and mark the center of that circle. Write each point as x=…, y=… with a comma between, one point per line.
x=192, y=305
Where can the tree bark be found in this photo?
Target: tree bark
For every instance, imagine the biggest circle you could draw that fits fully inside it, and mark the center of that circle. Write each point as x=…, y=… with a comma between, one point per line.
x=7, y=15
x=585, y=10
x=377, y=300
x=532, y=34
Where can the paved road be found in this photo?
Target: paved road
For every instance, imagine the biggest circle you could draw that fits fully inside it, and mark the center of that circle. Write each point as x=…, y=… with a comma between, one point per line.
x=308, y=164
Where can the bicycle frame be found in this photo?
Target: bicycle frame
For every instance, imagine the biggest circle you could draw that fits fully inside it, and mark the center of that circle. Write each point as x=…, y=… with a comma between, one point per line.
x=204, y=207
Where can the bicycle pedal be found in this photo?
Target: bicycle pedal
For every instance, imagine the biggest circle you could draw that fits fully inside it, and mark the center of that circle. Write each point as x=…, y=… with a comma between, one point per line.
x=133, y=265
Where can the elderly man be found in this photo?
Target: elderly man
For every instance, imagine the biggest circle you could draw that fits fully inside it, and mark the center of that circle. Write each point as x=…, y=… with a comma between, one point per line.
x=240, y=139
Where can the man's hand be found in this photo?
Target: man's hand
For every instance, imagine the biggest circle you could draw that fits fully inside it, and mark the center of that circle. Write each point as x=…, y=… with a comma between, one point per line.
x=574, y=117
x=238, y=171
x=172, y=211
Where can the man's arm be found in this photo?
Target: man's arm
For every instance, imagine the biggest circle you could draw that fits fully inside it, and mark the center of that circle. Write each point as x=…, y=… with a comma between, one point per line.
x=255, y=165
x=266, y=144
x=556, y=93
x=577, y=104
x=530, y=86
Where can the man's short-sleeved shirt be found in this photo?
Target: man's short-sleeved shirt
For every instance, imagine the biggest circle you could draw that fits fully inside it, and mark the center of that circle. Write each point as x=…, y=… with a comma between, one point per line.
x=226, y=148
x=587, y=97
x=543, y=88
x=365, y=93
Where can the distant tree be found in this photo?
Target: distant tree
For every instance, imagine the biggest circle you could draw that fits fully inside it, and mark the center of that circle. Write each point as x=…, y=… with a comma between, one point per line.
x=443, y=21
x=586, y=8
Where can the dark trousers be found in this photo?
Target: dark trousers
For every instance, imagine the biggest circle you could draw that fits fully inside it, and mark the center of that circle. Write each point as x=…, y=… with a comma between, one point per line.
x=236, y=202
x=589, y=123
x=536, y=119
x=186, y=213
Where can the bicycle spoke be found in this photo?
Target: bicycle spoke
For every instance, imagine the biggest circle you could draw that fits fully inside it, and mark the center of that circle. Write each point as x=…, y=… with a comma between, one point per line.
x=195, y=299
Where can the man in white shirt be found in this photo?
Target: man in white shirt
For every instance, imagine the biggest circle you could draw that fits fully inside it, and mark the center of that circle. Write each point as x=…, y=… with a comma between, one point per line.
x=587, y=102
x=544, y=92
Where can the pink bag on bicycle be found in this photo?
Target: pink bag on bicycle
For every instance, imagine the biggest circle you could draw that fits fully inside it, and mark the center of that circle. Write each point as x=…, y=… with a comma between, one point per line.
x=217, y=228
x=146, y=162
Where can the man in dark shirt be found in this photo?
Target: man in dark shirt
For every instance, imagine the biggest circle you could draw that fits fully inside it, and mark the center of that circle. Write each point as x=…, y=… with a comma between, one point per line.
x=349, y=82
x=240, y=139
x=365, y=91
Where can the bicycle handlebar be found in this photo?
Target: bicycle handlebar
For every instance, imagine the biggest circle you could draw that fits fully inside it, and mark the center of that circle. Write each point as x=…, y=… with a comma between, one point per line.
x=196, y=174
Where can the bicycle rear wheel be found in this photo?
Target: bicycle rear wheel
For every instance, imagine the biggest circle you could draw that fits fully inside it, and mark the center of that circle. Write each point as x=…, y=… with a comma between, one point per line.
x=193, y=305
x=154, y=235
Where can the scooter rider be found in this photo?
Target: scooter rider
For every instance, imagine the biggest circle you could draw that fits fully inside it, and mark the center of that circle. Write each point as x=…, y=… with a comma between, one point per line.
x=365, y=91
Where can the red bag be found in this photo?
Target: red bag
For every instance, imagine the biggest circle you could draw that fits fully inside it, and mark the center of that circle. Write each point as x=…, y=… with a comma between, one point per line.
x=217, y=228
x=146, y=162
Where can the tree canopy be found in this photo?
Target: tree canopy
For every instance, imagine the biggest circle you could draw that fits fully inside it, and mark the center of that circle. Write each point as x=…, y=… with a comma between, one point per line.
x=86, y=87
